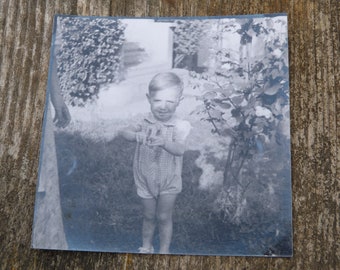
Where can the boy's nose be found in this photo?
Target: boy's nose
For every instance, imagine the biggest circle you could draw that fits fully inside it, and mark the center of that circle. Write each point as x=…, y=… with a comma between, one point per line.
x=162, y=105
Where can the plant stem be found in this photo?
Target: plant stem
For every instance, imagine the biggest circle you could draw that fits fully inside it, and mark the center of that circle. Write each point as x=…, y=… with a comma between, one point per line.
x=213, y=123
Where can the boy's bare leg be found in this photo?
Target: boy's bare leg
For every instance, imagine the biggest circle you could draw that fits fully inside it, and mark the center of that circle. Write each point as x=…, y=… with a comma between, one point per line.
x=165, y=208
x=149, y=222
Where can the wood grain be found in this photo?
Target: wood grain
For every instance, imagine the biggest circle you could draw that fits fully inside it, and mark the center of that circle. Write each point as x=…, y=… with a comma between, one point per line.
x=25, y=30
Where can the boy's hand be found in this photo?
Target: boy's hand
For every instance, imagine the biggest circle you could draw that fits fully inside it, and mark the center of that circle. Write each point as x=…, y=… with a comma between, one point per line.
x=156, y=141
x=141, y=138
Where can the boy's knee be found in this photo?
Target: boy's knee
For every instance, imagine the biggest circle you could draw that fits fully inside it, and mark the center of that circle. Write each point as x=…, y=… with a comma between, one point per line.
x=163, y=218
x=149, y=216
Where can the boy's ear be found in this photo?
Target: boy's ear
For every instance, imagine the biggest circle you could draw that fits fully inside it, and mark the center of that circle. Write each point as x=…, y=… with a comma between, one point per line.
x=148, y=97
x=180, y=99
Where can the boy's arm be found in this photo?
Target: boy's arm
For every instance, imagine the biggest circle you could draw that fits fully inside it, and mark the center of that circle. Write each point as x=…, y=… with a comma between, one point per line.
x=127, y=134
x=131, y=134
x=176, y=147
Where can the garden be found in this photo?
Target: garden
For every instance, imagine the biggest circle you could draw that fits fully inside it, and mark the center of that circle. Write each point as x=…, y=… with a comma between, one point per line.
x=236, y=197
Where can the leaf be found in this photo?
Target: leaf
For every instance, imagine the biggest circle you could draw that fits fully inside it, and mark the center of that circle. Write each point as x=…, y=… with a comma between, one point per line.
x=263, y=112
x=236, y=113
x=216, y=114
x=209, y=86
x=210, y=95
x=268, y=99
x=227, y=90
x=272, y=90
x=223, y=104
x=229, y=132
x=237, y=99
x=258, y=67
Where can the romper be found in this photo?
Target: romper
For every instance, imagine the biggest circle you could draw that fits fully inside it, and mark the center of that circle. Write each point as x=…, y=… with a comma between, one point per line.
x=156, y=171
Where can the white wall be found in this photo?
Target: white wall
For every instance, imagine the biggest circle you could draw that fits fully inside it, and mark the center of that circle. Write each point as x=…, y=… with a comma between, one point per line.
x=154, y=37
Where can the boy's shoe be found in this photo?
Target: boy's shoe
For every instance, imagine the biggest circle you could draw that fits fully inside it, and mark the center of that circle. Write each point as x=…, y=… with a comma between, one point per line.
x=144, y=250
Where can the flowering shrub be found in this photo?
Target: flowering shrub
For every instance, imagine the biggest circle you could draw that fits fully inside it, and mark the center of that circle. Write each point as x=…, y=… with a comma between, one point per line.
x=90, y=55
x=246, y=101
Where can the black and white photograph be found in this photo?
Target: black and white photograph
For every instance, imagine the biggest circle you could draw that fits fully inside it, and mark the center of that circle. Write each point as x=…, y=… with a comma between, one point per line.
x=167, y=135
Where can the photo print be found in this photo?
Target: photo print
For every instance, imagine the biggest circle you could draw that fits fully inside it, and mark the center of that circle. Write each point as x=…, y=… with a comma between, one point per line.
x=167, y=136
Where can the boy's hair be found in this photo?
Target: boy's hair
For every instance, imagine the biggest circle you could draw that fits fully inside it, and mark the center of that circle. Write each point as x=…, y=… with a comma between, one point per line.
x=165, y=80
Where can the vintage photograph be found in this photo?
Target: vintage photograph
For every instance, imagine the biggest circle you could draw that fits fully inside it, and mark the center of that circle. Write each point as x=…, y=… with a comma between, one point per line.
x=167, y=136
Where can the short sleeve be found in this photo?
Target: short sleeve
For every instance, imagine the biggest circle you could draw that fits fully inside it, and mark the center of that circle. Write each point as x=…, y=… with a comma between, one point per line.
x=182, y=130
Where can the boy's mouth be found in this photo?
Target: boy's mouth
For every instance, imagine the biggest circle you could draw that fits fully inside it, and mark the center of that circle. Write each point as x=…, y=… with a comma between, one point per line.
x=162, y=115
x=162, y=112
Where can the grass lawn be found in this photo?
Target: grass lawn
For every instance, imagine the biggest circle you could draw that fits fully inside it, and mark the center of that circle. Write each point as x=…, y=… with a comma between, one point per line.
x=102, y=212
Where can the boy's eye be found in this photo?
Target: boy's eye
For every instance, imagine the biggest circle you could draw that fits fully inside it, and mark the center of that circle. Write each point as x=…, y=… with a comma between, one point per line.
x=167, y=101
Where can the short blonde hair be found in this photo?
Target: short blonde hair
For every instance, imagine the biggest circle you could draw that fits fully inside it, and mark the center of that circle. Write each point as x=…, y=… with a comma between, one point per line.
x=165, y=80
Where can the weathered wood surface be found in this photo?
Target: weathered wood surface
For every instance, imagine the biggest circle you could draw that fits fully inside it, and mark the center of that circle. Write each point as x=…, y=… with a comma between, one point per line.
x=314, y=28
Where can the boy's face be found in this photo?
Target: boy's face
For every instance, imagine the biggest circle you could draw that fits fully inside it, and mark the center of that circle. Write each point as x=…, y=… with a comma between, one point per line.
x=164, y=103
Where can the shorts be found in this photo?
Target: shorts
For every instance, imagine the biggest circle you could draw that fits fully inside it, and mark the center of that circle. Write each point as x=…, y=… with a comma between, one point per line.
x=148, y=188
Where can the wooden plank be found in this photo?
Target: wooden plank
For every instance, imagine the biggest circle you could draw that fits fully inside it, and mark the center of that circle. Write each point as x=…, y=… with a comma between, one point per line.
x=25, y=28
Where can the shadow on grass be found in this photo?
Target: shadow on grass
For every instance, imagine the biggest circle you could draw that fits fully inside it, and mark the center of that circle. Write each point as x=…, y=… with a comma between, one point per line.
x=102, y=212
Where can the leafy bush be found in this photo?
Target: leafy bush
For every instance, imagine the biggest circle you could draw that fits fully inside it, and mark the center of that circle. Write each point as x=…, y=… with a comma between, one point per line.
x=187, y=36
x=90, y=55
x=246, y=101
